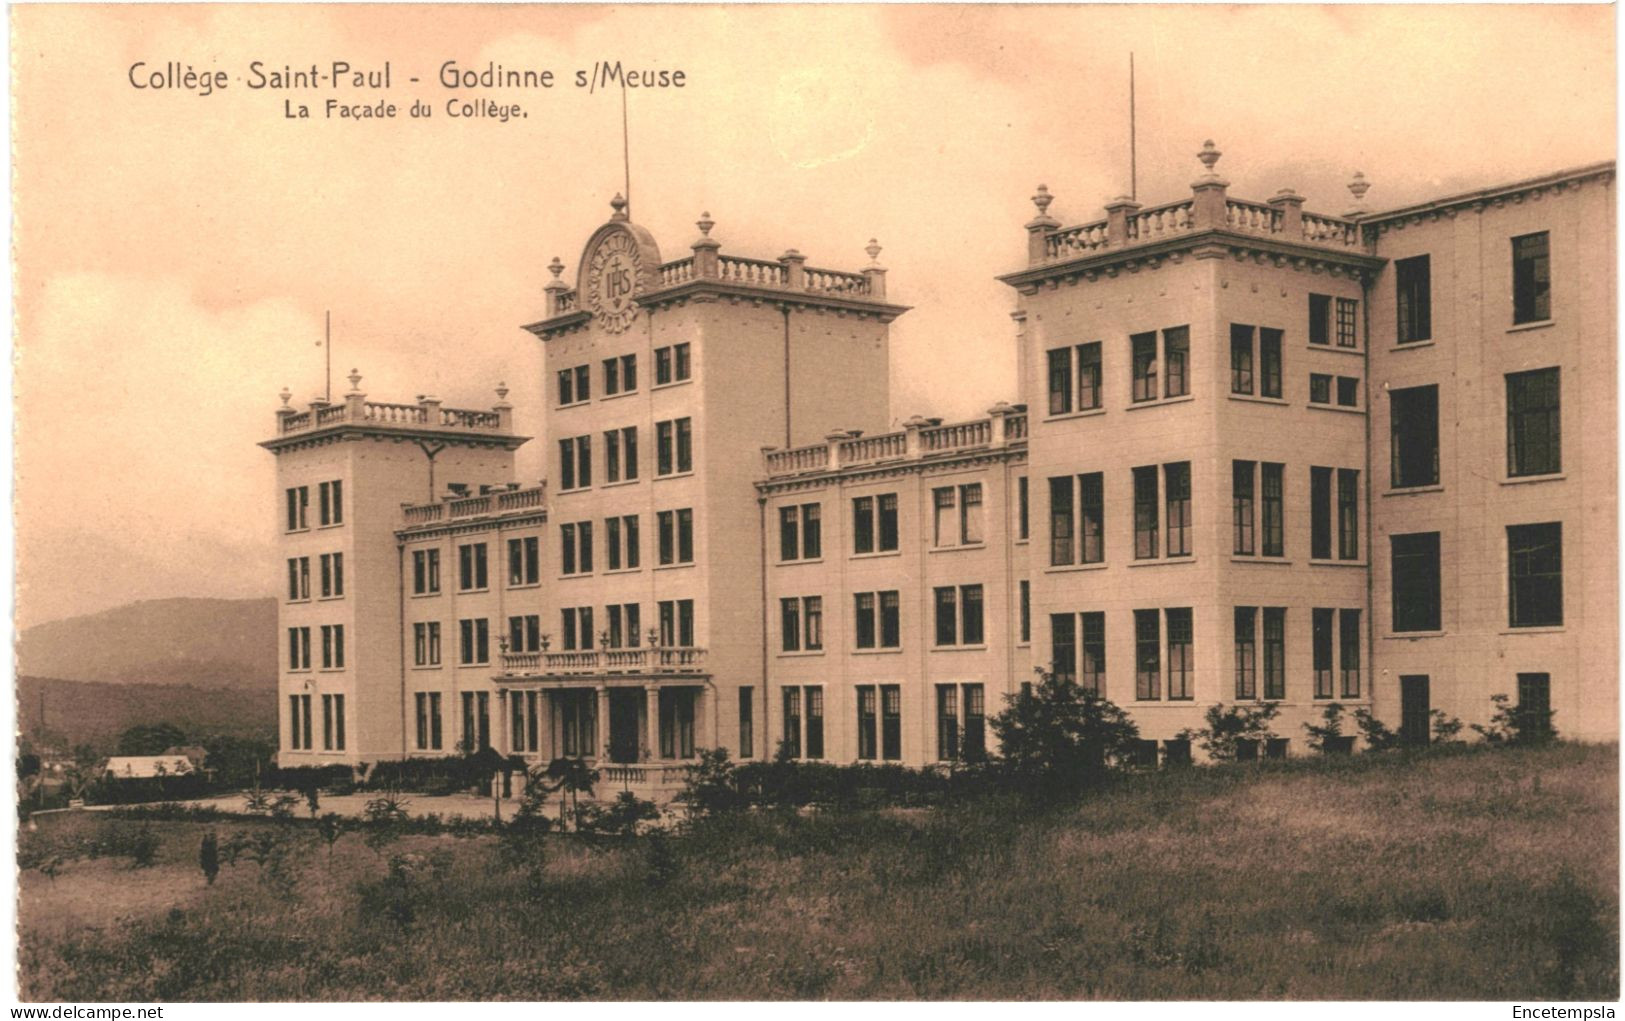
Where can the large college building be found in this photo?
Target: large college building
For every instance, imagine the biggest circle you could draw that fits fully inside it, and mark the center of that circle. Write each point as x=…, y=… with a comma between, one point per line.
x=1256, y=454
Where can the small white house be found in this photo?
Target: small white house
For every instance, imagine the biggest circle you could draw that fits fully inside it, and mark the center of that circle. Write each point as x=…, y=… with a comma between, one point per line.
x=140, y=767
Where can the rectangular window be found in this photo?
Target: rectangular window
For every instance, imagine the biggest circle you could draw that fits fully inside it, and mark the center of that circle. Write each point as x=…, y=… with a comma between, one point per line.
x=295, y=732
x=974, y=740
x=800, y=535
x=1060, y=381
x=1347, y=317
x=471, y=567
x=947, y=722
x=1348, y=642
x=475, y=647
x=332, y=567
x=1176, y=355
x=299, y=648
x=1241, y=359
x=1269, y=362
x=970, y=611
x=1021, y=508
x=1416, y=594
x=1143, y=347
x=1348, y=514
x=332, y=646
x=672, y=364
x=867, y=723
x=888, y=522
x=1147, y=655
x=1274, y=652
x=747, y=722
x=426, y=643
x=1243, y=510
x=891, y=722
x=1535, y=698
x=1323, y=651
x=331, y=496
x=1414, y=432
x=1061, y=520
x=1348, y=391
x=525, y=561
x=863, y=524
x=1273, y=481
x=625, y=626
x=525, y=632
x=333, y=723
x=425, y=572
x=957, y=518
x=620, y=374
x=1413, y=289
x=677, y=623
x=1145, y=513
x=298, y=578
x=1531, y=278
x=422, y=703
x=891, y=635
x=1535, y=574
x=874, y=524
x=676, y=536
x=1089, y=376
x=674, y=446
x=1177, y=479
x=790, y=624
x=1246, y=652
x=1320, y=513
x=1320, y=319
x=298, y=508
x=790, y=738
x=970, y=514
x=1534, y=423
x=943, y=502
x=1181, y=654
x=1063, y=646
x=1320, y=388
x=863, y=620
x=1092, y=675
x=947, y=616
x=815, y=722
x=1026, y=623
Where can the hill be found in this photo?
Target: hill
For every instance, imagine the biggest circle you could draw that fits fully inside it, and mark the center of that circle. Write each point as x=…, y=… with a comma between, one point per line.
x=96, y=712
x=202, y=643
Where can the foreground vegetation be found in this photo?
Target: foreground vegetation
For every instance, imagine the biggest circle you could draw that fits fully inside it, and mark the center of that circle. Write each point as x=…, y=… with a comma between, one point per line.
x=1467, y=872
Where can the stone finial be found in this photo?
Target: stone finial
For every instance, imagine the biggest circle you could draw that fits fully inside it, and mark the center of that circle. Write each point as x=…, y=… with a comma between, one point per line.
x=1358, y=186
x=286, y=395
x=502, y=391
x=1042, y=198
x=619, y=204
x=1209, y=156
x=1001, y=408
x=873, y=248
x=556, y=267
x=355, y=380
x=705, y=223
x=916, y=422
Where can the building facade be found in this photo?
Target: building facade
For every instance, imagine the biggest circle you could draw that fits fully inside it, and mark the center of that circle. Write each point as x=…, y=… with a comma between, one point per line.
x=1256, y=454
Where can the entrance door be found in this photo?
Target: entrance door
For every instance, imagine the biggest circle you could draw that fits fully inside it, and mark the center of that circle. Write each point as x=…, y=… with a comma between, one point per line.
x=624, y=732
x=1413, y=708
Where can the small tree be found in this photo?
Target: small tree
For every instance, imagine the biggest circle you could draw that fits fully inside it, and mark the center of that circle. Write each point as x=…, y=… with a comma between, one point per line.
x=1378, y=737
x=1057, y=737
x=712, y=787
x=208, y=857
x=571, y=778
x=1517, y=725
x=1446, y=729
x=1327, y=737
x=330, y=827
x=1226, y=727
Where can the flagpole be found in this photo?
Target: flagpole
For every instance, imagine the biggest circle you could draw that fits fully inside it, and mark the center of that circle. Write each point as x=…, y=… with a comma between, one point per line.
x=626, y=151
x=1133, y=169
x=328, y=344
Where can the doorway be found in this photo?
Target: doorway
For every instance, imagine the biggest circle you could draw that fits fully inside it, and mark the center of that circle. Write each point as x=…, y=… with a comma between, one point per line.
x=625, y=729
x=1414, y=710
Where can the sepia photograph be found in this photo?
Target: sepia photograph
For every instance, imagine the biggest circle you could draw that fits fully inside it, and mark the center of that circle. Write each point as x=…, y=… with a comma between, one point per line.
x=718, y=504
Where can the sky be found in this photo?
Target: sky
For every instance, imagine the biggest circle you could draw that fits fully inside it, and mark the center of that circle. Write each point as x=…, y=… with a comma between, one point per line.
x=175, y=252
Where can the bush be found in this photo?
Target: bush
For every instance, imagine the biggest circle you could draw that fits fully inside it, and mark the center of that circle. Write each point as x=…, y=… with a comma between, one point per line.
x=712, y=787
x=1327, y=737
x=208, y=857
x=1058, y=737
x=1378, y=737
x=1517, y=725
x=1227, y=726
x=622, y=816
x=1446, y=729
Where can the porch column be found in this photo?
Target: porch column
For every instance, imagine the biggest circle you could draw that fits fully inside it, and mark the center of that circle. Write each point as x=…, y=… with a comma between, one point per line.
x=652, y=723
x=504, y=725
x=601, y=724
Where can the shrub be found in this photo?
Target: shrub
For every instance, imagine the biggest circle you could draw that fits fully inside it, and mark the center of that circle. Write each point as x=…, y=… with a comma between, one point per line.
x=1446, y=729
x=712, y=787
x=1517, y=725
x=1226, y=726
x=1378, y=737
x=1056, y=736
x=330, y=827
x=622, y=816
x=1327, y=737
x=208, y=857
x=660, y=862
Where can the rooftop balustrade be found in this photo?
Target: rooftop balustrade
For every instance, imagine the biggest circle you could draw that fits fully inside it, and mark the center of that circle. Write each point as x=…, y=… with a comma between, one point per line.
x=605, y=662
x=920, y=438
x=454, y=508
x=427, y=414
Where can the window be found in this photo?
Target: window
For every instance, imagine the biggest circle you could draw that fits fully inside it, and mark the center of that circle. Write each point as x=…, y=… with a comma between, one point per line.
x=876, y=620
x=476, y=720
x=1147, y=655
x=1320, y=388
x=1092, y=517
x=333, y=723
x=1181, y=657
x=1176, y=354
x=1063, y=638
x=331, y=499
x=671, y=364
x=298, y=578
x=867, y=720
x=576, y=628
x=1320, y=319
x=575, y=385
x=1414, y=293
x=475, y=649
x=1089, y=520
x=1534, y=423
x=523, y=726
x=1274, y=652
x=677, y=623
x=1273, y=540
x=1348, y=645
x=1088, y=376
x=1243, y=509
x=1241, y=359
x=575, y=548
x=1060, y=381
x=747, y=722
x=332, y=646
x=1535, y=574
x=426, y=643
x=1347, y=315
x=1416, y=593
x=1242, y=362
x=299, y=648
x=1145, y=513
x=959, y=615
x=947, y=722
x=676, y=709
x=1414, y=430
x=874, y=524
x=1348, y=514
x=621, y=542
x=891, y=722
x=1022, y=532
x=1026, y=622
x=575, y=463
x=1320, y=513
x=1348, y=391
x=974, y=741
x=471, y=567
x=428, y=720
x=790, y=740
x=1323, y=651
x=802, y=623
x=676, y=536
x=525, y=633
x=958, y=518
x=1092, y=676
x=1246, y=652
x=578, y=731
x=425, y=572
x=298, y=508
x=1269, y=362
x=1531, y=278
x=525, y=561
x=801, y=532
x=1535, y=702
x=620, y=374
x=674, y=446
x=1061, y=544
x=815, y=722
x=332, y=565
x=625, y=626
x=299, y=722
x=621, y=454
x=1177, y=479
x=1143, y=347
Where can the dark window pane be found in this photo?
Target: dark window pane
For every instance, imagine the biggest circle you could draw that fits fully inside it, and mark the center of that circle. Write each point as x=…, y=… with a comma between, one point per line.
x=1416, y=594
x=1535, y=574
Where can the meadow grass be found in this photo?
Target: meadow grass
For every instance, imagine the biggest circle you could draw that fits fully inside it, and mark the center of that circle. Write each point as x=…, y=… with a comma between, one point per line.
x=1466, y=874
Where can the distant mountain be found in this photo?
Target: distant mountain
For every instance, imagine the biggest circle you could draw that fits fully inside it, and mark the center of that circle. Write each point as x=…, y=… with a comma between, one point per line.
x=204, y=643
x=95, y=713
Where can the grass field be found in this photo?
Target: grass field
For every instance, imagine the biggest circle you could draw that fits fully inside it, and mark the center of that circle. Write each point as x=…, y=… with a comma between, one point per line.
x=1474, y=874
